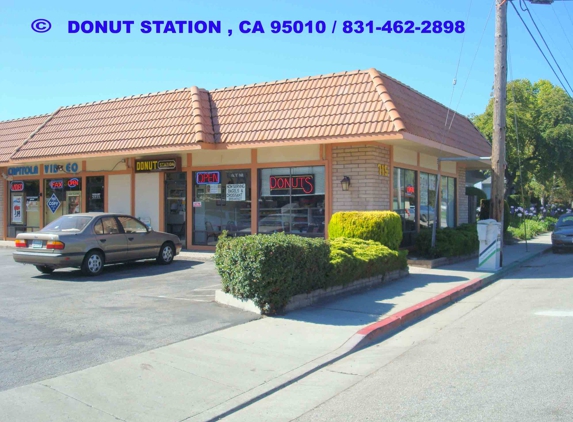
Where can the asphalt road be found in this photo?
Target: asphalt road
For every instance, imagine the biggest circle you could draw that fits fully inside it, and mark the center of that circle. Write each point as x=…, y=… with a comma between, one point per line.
x=64, y=322
x=501, y=354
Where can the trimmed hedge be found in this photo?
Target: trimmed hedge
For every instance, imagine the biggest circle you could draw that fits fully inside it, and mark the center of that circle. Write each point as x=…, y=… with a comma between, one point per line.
x=270, y=269
x=384, y=227
x=354, y=259
x=485, y=211
x=473, y=191
x=459, y=241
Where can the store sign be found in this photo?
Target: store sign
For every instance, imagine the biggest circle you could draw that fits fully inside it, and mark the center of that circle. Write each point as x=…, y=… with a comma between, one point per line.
x=17, y=208
x=22, y=171
x=57, y=184
x=410, y=190
x=235, y=192
x=61, y=168
x=73, y=183
x=53, y=203
x=208, y=177
x=297, y=185
x=16, y=186
x=157, y=165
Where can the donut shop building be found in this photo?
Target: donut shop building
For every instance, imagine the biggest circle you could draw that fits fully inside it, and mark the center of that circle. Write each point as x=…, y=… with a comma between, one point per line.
x=261, y=158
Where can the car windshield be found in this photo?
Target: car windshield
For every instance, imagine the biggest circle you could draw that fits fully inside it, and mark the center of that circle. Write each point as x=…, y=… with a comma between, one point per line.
x=68, y=223
x=565, y=220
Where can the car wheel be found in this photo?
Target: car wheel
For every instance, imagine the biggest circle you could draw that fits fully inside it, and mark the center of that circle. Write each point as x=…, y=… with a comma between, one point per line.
x=93, y=263
x=44, y=270
x=166, y=254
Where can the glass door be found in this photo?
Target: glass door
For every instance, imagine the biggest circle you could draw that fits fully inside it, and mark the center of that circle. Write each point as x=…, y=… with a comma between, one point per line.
x=176, y=205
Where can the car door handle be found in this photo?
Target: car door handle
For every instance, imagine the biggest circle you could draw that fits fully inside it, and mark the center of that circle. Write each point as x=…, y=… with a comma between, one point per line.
x=130, y=238
x=102, y=240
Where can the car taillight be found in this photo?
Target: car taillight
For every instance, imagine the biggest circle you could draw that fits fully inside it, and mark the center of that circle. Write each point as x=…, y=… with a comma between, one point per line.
x=21, y=243
x=54, y=244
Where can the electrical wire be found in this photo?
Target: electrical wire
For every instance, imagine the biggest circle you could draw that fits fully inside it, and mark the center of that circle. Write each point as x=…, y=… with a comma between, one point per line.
x=563, y=29
x=545, y=42
x=567, y=11
x=537, y=44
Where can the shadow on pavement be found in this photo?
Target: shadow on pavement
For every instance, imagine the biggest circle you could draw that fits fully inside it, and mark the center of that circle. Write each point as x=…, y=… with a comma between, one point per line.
x=365, y=307
x=121, y=271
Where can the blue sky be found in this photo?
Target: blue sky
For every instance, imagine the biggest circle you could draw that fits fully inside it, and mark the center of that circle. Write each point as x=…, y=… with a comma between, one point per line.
x=40, y=72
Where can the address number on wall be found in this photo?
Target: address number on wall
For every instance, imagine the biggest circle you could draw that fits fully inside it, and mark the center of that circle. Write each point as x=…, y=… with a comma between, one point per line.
x=383, y=170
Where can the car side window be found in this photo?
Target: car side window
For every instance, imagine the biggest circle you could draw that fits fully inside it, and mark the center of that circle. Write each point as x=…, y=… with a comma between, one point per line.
x=109, y=225
x=98, y=227
x=131, y=225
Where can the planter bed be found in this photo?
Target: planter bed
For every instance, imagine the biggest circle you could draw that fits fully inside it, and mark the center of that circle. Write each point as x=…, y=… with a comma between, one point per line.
x=439, y=262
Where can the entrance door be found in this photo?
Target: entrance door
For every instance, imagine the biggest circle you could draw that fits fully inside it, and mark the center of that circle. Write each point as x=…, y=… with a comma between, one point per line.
x=176, y=204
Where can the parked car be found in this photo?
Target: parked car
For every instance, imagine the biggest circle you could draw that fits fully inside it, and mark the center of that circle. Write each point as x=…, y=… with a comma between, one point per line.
x=90, y=241
x=427, y=214
x=562, y=236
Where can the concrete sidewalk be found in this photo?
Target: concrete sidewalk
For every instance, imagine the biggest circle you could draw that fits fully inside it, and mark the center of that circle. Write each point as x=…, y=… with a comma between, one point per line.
x=210, y=376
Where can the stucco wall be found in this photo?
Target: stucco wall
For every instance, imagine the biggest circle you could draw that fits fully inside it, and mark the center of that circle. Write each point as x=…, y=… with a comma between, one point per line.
x=119, y=193
x=369, y=190
x=288, y=154
x=147, y=197
x=462, y=197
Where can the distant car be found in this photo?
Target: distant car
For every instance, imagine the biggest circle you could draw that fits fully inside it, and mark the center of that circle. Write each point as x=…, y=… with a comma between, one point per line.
x=425, y=211
x=562, y=236
x=90, y=241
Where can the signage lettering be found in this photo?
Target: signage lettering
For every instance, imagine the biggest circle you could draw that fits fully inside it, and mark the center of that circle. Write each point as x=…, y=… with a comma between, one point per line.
x=410, y=190
x=17, y=186
x=155, y=165
x=22, y=171
x=61, y=168
x=57, y=184
x=208, y=177
x=296, y=185
x=383, y=170
x=73, y=183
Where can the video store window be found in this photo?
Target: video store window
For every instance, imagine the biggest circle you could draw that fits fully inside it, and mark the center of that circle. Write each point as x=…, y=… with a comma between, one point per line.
x=24, y=206
x=62, y=197
x=291, y=200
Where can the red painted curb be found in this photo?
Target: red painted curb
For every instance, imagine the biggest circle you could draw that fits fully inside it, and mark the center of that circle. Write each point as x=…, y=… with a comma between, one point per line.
x=398, y=319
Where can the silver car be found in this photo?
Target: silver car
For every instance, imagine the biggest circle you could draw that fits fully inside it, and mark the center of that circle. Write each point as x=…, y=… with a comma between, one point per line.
x=89, y=241
x=562, y=236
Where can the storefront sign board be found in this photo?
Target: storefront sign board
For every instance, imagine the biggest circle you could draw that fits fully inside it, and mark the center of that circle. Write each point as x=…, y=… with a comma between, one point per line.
x=22, y=171
x=154, y=165
x=53, y=203
x=71, y=167
x=16, y=186
x=235, y=192
x=208, y=177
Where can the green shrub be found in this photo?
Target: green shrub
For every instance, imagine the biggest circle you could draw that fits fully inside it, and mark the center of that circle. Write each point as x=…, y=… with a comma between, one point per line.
x=473, y=191
x=459, y=241
x=384, y=227
x=529, y=228
x=485, y=210
x=354, y=259
x=270, y=269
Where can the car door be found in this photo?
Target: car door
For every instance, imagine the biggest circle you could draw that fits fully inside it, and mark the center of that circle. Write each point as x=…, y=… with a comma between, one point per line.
x=140, y=242
x=111, y=239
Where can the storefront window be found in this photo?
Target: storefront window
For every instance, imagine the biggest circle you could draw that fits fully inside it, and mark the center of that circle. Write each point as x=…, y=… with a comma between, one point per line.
x=427, y=199
x=448, y=203
x=24, y=207
x=95, y=193
x=291, y=200
x=221, y=201
x=62, y=197
x=404, y=202
x=176, y=204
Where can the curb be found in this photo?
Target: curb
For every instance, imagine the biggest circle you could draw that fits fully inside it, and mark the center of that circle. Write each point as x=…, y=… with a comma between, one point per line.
x=359, y=340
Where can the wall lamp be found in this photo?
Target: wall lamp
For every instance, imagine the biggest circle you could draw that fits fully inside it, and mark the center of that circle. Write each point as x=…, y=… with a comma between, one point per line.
x=345, y=182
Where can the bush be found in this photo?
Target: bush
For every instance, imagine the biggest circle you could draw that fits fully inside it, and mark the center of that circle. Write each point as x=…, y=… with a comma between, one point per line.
x=531, y=228
x=485, y=210
x=354, y=259
x=473, y=191
x=270, y=269
x=459, y=241
x=384, y=227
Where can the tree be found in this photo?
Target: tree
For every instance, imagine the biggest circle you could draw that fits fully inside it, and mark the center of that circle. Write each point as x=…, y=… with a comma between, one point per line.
x=545, y=124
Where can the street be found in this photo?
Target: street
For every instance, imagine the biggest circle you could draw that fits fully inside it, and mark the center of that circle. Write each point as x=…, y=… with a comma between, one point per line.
x=65, y=322
x=501, y=354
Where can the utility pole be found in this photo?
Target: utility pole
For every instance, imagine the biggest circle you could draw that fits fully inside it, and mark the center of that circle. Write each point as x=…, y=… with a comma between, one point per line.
x=499, y=93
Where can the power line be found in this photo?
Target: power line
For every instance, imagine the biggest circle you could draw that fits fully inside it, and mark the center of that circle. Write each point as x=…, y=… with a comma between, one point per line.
x=563, y=29
x=545, y=42
x=538, y=46
x=563, y=56
x=566, y=10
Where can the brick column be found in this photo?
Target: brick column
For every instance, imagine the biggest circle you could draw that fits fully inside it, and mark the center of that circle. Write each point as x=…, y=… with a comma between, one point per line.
x=369, y=191
x=3, y=206
x=462, y=197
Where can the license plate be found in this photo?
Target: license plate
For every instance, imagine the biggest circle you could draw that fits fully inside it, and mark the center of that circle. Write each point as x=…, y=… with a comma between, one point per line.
x=37, y=244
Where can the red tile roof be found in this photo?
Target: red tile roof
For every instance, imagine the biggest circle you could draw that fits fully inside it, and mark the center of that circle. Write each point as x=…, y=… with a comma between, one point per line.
x=337, y=105
x=14, y=132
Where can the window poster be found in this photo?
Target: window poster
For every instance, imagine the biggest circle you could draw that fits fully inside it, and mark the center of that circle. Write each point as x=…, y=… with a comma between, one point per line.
x=236, y=192
x=17, y=200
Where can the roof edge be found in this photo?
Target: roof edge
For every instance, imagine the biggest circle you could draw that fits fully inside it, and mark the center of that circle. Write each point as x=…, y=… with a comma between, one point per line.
x=378, y=83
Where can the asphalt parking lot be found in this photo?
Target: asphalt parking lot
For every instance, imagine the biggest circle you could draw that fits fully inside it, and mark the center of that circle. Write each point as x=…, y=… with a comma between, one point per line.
x=65, y=322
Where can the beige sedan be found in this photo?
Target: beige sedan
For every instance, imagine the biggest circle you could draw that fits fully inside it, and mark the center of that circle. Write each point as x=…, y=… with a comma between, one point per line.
x=89, y=241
